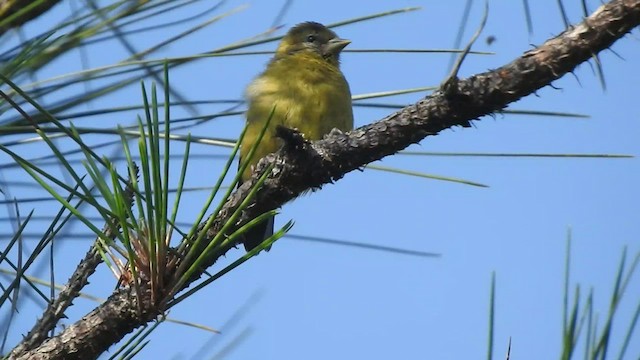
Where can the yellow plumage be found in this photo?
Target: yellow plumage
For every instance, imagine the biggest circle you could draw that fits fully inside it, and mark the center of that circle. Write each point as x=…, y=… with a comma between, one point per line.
x=306, y=90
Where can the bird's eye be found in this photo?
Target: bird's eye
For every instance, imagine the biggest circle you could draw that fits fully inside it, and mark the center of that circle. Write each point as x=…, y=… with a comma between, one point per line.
x=311, y=38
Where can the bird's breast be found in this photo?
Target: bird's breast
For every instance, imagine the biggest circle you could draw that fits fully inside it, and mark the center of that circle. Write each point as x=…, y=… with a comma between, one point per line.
x=308, y=94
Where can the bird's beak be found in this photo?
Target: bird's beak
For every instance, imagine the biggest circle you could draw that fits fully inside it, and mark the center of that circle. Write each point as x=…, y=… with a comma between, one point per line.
x=334, y=46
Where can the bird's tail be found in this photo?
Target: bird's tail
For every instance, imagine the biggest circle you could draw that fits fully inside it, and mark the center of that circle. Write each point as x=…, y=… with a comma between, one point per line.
x=259, y=233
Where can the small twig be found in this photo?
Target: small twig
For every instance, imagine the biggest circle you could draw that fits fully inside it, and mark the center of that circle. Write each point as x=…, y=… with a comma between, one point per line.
x=450, y=83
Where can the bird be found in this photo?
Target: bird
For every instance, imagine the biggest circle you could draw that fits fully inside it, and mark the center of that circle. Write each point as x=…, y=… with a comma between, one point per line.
x=305, y=90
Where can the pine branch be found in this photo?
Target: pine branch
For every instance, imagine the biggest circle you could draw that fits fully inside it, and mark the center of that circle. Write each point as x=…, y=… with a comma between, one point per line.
x=78, y=280
x=303, y=166
x=20, y=12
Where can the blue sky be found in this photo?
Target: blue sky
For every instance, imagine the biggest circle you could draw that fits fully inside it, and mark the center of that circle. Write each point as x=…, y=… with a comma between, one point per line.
x=316, y=300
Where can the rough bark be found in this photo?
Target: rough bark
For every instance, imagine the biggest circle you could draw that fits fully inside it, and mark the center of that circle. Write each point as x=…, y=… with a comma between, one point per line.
x=303, y=166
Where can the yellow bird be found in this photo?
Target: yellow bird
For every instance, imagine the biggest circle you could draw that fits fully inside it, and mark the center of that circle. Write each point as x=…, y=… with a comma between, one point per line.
x=306, y=90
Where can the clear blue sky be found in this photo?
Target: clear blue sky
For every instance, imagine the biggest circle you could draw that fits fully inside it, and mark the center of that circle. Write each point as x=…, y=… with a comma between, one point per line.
x=319, y=301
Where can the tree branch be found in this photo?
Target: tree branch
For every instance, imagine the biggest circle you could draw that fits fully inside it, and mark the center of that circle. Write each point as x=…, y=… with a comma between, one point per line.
x=22, y=11
x=78, y=280
x=328, y=160
x=311, y=165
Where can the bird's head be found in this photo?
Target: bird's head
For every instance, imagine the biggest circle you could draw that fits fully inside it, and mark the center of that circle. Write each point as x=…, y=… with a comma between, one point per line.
x=313, y=38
